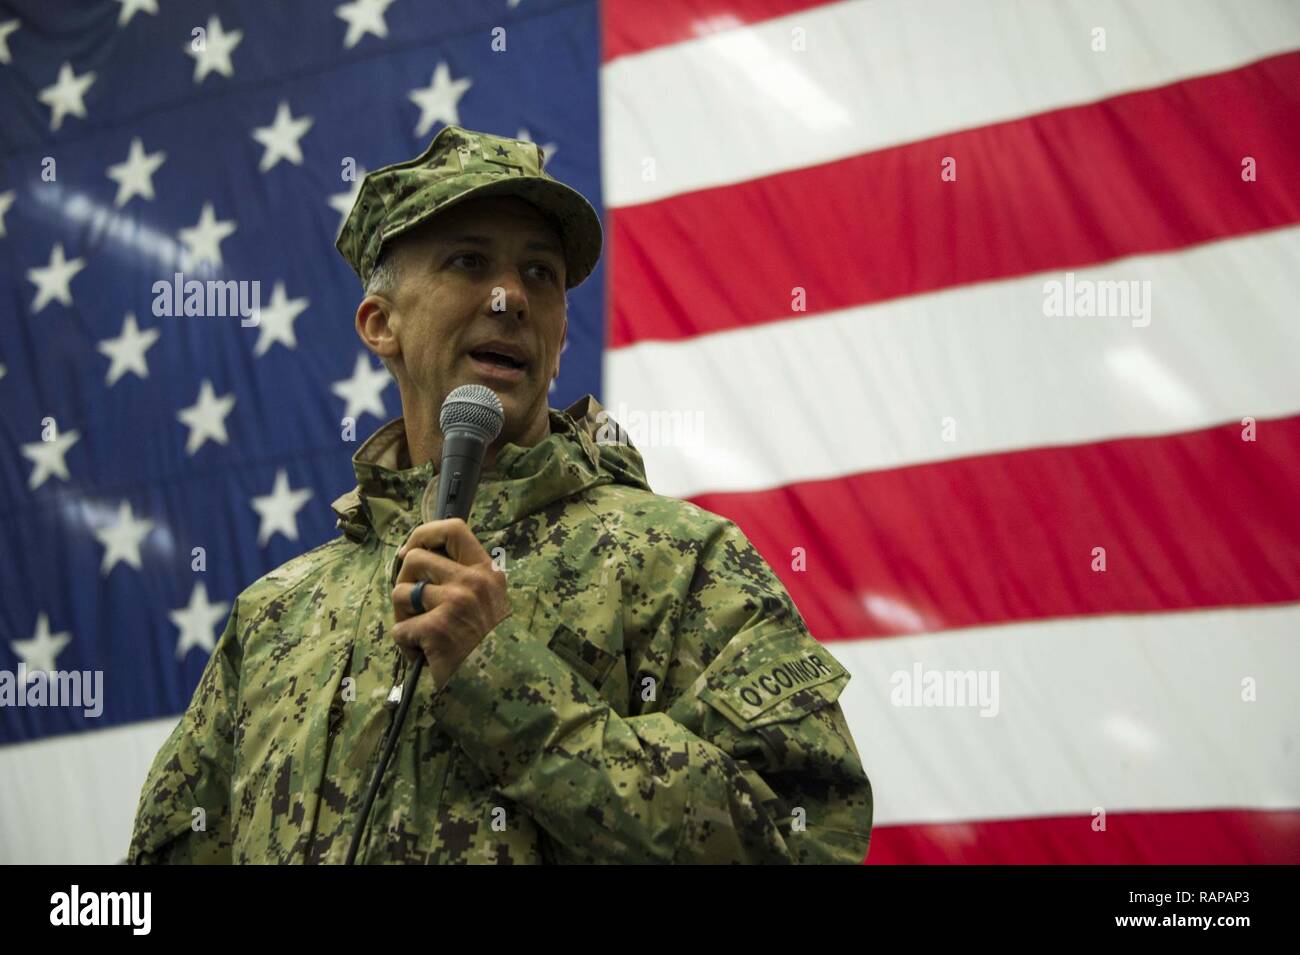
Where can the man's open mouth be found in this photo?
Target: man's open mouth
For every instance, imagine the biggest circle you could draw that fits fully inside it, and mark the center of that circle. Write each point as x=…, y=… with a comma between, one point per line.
x=496, y=358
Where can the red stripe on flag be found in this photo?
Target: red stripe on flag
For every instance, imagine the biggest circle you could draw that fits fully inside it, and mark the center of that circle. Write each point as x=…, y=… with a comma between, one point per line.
x=1213, y=837
x=1144, y=172
x=1201, y=519
x=626, y=27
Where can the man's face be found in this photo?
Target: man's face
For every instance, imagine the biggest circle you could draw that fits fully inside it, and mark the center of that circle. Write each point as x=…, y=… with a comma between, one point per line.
x=484, y=276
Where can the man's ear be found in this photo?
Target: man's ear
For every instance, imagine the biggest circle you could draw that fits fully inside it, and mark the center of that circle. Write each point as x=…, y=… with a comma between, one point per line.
x=377, y=326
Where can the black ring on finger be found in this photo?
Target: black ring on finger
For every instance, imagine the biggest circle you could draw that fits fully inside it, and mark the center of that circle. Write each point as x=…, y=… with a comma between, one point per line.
x=417, y=596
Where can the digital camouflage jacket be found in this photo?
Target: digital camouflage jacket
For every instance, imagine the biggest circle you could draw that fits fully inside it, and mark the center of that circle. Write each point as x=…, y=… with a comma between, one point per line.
x=654, y=696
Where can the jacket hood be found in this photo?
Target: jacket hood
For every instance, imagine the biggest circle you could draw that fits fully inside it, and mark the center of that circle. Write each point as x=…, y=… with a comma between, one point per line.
x=586, y=448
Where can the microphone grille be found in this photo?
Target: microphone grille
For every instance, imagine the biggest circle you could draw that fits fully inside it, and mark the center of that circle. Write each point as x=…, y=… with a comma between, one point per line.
x=473, y=408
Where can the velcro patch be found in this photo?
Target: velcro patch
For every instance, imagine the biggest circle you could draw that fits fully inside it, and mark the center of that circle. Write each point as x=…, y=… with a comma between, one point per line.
x=591, y=662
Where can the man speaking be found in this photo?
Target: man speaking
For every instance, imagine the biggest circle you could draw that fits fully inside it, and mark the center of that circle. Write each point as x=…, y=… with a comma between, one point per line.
x=613, y=676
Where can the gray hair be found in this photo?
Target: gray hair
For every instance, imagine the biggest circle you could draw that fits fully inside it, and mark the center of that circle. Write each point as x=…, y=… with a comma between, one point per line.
x=384, y=280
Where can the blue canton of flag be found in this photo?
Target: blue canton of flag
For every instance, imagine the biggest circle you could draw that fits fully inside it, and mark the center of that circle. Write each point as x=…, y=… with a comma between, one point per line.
x=156, y=463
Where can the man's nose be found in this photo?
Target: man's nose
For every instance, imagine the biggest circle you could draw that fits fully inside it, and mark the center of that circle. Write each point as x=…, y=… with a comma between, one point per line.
x=509, y=296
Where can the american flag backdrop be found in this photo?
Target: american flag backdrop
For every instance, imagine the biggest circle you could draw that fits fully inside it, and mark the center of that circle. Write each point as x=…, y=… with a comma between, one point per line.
x=980, y=317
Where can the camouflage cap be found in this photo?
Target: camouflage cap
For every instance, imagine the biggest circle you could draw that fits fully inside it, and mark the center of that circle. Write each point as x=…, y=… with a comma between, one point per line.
x=460, y=164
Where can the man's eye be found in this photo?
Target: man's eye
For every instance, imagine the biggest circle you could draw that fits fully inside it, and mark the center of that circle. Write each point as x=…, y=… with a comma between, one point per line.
x=550, y=272
x=466, y=255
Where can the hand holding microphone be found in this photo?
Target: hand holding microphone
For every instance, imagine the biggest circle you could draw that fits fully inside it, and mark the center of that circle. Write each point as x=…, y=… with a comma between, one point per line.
x=462, y=597
x=467, y=594
x=448, y=596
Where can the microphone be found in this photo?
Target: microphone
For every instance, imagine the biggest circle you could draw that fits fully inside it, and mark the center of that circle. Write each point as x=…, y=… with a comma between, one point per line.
x=471, y=419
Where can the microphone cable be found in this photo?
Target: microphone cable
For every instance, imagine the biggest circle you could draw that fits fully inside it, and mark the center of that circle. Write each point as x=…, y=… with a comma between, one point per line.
x=471, y=419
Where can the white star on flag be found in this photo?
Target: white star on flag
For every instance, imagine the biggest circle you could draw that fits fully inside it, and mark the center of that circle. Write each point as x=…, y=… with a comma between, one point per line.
x=275, y=321
x=134, y=175
x=340, y=202
x=363, y=392
x=48, y=456
x=206, y=418
x=363, y=16
x=7, y=200
x=53, y=281
x=64, y=97
x=126, y=351
x=548, y=149
x=6, y=28
x=196, y=621
x=122, y=540
x=204, y=240
x=131, y=7
x=281, y=137
x=40, y=653
x=438, y=100
x=216, y=50
x=279, y=509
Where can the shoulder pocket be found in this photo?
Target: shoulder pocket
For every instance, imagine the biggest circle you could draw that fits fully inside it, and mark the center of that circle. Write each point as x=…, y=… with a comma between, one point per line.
x=780, y=677
x=586, y=632
x=589, y=659
x=584, y=629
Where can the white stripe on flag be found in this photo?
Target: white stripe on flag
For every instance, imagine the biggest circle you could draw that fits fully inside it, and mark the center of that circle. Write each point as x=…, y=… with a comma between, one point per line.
x=75, y=794
x=1124, y=713
x=745, y=103
x=870, y=387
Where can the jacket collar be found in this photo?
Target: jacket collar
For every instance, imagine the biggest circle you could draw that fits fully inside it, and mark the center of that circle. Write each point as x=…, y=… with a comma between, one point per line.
x=578, y=454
